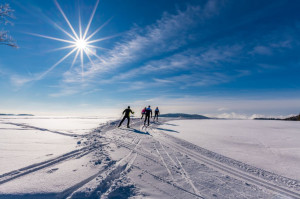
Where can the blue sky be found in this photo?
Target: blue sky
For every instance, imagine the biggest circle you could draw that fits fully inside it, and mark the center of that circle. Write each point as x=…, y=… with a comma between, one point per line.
x=226, y=58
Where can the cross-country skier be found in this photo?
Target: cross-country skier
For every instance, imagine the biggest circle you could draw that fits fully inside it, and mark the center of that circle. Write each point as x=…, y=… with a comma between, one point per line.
x=148, y=113
x=156, y=113
x=127, y=115
x=143, y=112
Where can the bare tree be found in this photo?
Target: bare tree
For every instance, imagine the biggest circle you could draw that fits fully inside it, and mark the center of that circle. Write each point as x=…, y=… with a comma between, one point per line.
x=6, y=13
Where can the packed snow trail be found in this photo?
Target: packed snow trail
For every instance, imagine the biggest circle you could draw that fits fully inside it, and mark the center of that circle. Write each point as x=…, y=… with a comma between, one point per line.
x=145, y=162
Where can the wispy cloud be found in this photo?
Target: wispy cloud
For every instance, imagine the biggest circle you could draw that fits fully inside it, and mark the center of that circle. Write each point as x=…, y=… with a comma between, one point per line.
x=263, y=50
x=197, y=62
x=169, y=33
x=19, y=81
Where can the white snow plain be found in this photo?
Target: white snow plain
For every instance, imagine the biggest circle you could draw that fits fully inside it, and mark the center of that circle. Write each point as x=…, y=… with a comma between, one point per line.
x=60, y=157
x=271, y=145
x=71, y=125
x=31, y=139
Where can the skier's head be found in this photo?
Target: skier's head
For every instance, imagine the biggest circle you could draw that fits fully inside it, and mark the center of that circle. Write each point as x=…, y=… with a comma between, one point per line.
x=128, y=106
x=149, y=106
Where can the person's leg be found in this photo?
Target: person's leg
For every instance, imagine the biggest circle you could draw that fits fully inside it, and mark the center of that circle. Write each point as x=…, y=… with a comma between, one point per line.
x=156, y=116
x=145, y=119
x=128, y=121
x=122, y=121
x=148, y=120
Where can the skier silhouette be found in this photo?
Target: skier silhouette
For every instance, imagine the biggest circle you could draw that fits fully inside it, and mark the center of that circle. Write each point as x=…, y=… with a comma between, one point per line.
x=127, y=115
x=143, y=112
x=148, y=112
x=156, y=113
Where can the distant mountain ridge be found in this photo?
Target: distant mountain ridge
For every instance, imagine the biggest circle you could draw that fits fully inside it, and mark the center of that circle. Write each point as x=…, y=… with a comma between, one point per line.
x=293, y=118
x=184, y=115
x=4, y=114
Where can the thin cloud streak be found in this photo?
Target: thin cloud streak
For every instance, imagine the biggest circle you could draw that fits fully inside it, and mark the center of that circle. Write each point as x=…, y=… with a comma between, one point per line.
x=166, y=35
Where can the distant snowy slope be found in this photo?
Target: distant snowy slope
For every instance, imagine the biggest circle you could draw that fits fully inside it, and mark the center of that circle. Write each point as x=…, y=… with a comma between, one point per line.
x=184, y=116
x=272, y=145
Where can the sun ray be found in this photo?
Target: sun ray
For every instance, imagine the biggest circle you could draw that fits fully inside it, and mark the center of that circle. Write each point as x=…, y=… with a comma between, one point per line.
x=91, y=18
x=98, y=47
x=60, y=28
x=98, y=29
x=80, y=29
x=75, y=58
x=86, y=52
x=53, y=66
x=65, y=17
x=103, y=38
x=53, y=38
x=64, y=31
x=62, y=48
x=81, y=58
x=96, y=56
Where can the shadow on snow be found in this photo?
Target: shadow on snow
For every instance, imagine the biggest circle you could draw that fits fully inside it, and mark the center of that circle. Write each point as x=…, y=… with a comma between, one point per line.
x=137, y=131
x=169, y=130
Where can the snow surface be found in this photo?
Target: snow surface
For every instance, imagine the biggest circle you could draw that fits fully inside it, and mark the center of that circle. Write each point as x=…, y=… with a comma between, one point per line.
x=271, y=145
x=47, y=157
x=72, y=125
x=20, y=147
x=25, y=140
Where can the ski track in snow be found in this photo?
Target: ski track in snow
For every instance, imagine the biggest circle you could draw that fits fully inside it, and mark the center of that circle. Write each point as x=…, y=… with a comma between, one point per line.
x=146, y=162
x=26, y=126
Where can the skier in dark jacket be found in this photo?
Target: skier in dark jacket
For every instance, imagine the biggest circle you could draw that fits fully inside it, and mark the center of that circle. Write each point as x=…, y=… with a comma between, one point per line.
x=156, y=113
x=126, y=113
x=148, y=113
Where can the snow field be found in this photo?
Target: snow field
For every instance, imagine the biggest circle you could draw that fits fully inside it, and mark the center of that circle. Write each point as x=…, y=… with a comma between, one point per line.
x=70, y=125
x=138, y=162
x=20, y=147
x=271, y=145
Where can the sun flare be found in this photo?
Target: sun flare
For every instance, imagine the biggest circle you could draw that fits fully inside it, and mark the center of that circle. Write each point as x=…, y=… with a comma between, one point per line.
x=80, y=42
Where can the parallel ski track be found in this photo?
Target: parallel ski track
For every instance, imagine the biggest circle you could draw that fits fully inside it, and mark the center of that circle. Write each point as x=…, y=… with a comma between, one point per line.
x=139, y=152
x=43, y=129
x=186, y=176
x=183, y=172
x=161, y=179
x=230, y=170
x=168, y=182
x=163, y=161
x=111, y=171
x=38, y=166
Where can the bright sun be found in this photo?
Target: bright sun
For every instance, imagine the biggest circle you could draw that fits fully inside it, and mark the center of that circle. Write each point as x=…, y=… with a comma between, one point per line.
x=81, y=44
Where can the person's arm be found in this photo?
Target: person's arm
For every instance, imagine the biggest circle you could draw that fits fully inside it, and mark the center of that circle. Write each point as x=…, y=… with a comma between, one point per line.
x=131, y=111
x=124, y=111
